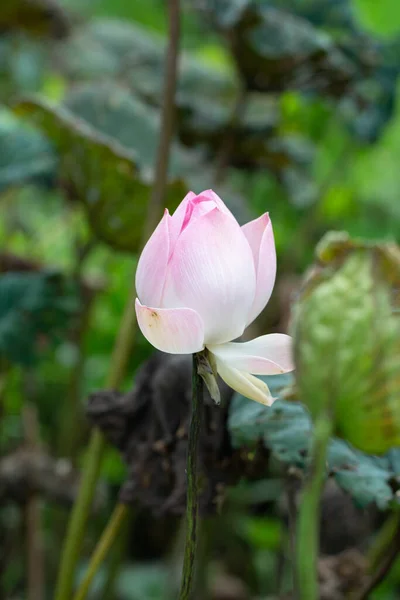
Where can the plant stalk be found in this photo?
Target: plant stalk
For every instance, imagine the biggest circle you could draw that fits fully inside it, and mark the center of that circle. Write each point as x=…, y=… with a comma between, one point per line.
x=384, y=540
x=291, y=485
x=94, y=455
x=118, y=554
x=167, y=116
x=308, y=525
x=382, y=571
x=382, y=555
x=188, y=570
x=33, y=514
x=126, y=334
x=78, y=519
x=104, y=545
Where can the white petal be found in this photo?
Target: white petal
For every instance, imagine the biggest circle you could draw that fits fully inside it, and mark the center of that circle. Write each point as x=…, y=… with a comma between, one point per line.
x=245, y=384
x=260, y=236
x=172, y=330
x=266, y=355
x=211, y=270
x=152, y=266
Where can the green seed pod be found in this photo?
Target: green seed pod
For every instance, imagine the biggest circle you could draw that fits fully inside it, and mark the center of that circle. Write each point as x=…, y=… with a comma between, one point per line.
x=346, y=327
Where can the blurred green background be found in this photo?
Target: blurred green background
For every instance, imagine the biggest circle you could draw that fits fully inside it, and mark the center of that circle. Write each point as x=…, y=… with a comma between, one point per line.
x=286, y=106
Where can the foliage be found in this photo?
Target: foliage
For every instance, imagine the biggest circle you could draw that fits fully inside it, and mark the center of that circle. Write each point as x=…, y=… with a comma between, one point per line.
x=25, y=153
x=286, y=428
x=349, y=311
x=33, y=308
x=110, y=181
x=286, y=106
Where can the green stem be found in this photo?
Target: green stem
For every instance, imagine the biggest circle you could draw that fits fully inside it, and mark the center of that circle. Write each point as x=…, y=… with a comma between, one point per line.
x=110, y=533
x=382, y=570
x=291, y=486
x=35, y=568
x=383, y=540
x=94, y=455
x=123, y=346
x=80, y=511
x=116, y=559
x=71, y=430
x=192, y=485
x=307, y=542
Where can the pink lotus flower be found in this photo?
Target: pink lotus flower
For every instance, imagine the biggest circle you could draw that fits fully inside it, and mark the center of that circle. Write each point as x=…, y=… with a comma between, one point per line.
x=201, y=280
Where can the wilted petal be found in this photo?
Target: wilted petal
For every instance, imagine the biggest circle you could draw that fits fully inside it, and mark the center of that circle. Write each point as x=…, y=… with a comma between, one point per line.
x=266, y=355
x=152, y=266
x=260, y=236
x=245, y=384
x=173, y=330
x=211, y=270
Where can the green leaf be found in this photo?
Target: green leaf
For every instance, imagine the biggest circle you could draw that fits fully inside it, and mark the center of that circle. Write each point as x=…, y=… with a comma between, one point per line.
x=143, y=582
x=128, y=55
x=205, y=100
x=277, y=50
x=34, y=308
x=345, y=314
x=261, y=532
x=331, y=14
x=106, y=140
x=226, y=13
x=365, y=478
x=134, y=57
x=317, y=46
x=380, y=17
x=105, y=169
x=286, y=429
x=113, y=111
x=256, y=492
x=105, y=46
x=24, y=153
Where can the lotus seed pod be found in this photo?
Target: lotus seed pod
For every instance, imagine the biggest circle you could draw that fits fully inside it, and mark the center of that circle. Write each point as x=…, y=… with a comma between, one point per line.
x=346, y=327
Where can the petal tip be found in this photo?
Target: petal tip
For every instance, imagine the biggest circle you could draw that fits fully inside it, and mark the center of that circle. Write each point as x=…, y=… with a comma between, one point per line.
x=175, y=330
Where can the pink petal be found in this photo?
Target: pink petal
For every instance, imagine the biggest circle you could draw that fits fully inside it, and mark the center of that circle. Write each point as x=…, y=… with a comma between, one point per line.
x=173, y=330
x=245, y=384
x=212, y=196
x=260, y=236
x=152, y=266
x=212, y=271
x=197, y=207
x=266, y=355
x=178, y=217
x=191, y=207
